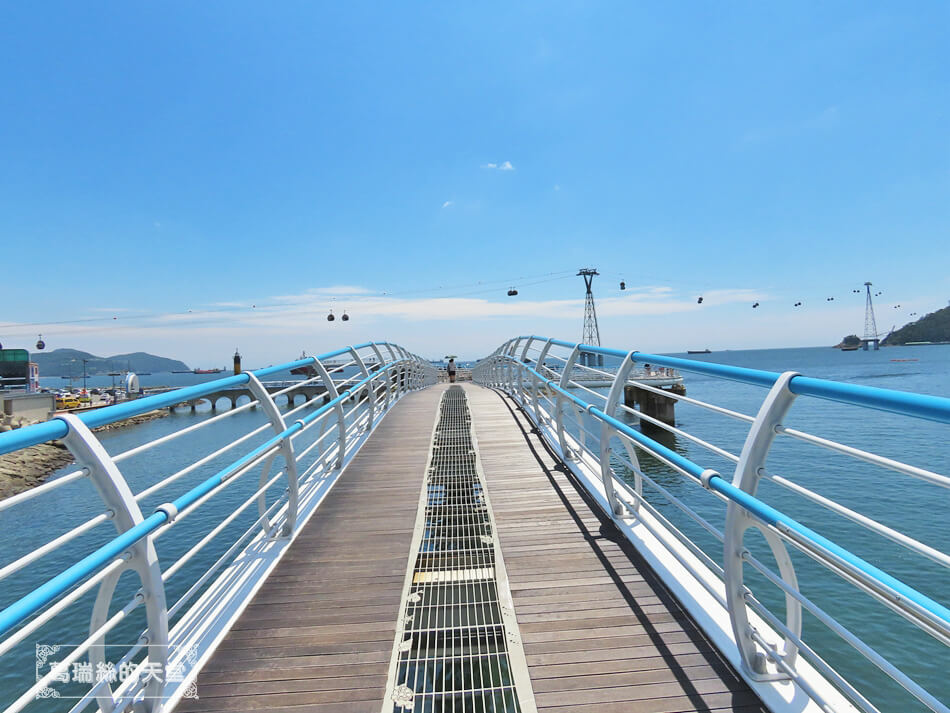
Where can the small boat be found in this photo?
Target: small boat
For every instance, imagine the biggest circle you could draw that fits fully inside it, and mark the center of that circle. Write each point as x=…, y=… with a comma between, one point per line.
x=850, y=348
x=208, y=371
x=698, y=351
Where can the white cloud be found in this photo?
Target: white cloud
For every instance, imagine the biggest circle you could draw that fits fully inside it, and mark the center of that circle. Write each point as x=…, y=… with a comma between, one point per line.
x=504, y=166
x=448, y=204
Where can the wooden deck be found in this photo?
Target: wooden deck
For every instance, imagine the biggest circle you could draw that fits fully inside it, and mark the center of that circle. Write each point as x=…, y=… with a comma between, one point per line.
x=318, y=636
x=600, y=632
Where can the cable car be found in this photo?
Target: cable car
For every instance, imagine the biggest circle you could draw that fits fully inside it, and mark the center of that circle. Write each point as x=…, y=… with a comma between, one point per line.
x=330, y=316
x=623, y=285
x=512, y=292
x=345, y=317
x=40, y=344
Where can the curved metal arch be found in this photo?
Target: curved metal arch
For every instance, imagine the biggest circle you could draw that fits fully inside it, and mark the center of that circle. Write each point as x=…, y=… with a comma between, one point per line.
x=371, y=395
x=118, y=497
x=330, y=386
x=610, y=408
x=276, y=419
x=747, y=477
x=566, y=452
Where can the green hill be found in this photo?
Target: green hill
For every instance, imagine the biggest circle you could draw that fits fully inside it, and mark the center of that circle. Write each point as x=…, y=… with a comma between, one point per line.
x=68, y=362
x=934, y=327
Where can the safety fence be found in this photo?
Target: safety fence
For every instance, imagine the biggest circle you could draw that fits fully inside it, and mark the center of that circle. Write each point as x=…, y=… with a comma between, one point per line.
x=607, y=444
x=298, y=453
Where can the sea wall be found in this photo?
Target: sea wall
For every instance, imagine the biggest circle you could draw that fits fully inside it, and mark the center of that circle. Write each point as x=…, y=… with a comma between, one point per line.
x=29, y=467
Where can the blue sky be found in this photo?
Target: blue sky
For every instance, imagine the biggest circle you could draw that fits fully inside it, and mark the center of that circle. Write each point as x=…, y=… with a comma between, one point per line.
x=173, y=164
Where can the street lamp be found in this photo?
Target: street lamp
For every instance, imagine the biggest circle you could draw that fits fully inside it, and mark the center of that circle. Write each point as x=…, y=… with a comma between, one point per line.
x=84, y=374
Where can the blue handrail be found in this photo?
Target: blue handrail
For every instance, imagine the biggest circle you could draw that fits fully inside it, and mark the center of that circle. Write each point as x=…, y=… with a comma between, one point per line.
x=31, y=603
x=56, y=428
x=931, y=408
x=759, y=509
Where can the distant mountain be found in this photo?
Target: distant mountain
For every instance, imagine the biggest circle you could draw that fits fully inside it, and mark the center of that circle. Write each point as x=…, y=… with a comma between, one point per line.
x=934, y=327
x=68, y=362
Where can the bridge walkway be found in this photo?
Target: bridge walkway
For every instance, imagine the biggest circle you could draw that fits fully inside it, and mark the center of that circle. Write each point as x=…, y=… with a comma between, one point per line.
x=600, y=633
x=318, y=635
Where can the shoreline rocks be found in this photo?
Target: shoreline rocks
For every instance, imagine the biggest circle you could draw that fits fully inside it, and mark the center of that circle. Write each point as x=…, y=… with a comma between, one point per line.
x=29, y=467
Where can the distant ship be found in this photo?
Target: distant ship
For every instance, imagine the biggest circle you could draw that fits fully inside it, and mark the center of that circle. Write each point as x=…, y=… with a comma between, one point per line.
x=207, y=371
x=305, y=370
x=698, y=351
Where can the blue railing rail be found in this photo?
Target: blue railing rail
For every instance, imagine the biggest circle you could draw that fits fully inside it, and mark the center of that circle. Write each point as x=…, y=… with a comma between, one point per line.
x=585, y=428
x=342, y=418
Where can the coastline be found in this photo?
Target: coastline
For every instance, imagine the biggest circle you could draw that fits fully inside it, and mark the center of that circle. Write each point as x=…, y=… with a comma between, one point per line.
x=29, y=467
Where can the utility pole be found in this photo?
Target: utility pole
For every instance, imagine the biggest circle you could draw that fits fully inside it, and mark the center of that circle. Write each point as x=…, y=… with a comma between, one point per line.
x=591, y=329
x=84, y=374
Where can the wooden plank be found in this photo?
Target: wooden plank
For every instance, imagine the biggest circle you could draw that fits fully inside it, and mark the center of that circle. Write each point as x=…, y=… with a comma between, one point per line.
x=318, y=636
x=600, y=631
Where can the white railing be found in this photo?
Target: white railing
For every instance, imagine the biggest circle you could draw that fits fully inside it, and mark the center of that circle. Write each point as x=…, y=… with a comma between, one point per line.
x=314, y=441
x=594, y=433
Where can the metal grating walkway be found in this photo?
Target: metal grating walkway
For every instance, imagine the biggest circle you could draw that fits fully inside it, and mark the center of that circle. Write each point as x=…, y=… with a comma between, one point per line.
x=457, y=647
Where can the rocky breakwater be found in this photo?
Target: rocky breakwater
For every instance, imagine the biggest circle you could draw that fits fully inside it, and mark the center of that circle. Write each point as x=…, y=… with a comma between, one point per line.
x=29, y=467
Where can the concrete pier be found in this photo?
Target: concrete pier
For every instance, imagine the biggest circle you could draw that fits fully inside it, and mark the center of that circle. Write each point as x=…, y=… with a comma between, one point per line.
x=653, y=404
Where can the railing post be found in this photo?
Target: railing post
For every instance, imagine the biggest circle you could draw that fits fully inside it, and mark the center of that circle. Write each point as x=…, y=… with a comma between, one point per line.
x=503, y=367
x=382, y=363
x=566, y=452
x=338, y=408
x=276, y=419
x=399, y=371
x=747, y=475
x=118, y=497
x=502, y=370
x=610, y=408
x=523, y=373
x=371, y=398
x=536, y=382
x=513, y=371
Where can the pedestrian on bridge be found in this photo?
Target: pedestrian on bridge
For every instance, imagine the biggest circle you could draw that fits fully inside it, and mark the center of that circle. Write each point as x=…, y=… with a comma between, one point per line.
x=451, y=369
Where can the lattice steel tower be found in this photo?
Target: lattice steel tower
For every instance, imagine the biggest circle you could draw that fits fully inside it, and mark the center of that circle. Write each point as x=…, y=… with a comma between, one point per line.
x=591, y=330
x=870, y=325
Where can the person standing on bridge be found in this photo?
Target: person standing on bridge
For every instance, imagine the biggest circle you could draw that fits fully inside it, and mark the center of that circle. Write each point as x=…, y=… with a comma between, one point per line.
x=451, y=369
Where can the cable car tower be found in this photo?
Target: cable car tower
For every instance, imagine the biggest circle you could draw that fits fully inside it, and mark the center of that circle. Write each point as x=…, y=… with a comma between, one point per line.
x=591, y=329
x=870, y=324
